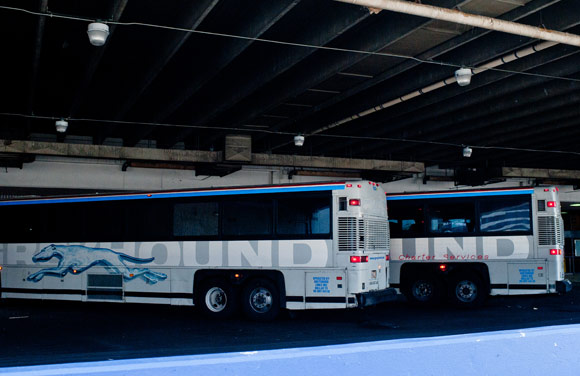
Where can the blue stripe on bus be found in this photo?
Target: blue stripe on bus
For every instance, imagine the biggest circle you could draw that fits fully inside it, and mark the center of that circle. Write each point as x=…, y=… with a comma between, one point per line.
x=143, y=196
x=461, y=194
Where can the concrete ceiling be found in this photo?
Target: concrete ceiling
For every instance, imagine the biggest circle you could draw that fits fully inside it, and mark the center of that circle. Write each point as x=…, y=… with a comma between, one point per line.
x=155, y=87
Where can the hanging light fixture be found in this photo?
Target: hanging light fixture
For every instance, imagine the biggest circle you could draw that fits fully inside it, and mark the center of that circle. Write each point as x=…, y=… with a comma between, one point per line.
x=61, y=125
x=463, y=76
x=299, y=140
x=98, y=33
x=467, y=151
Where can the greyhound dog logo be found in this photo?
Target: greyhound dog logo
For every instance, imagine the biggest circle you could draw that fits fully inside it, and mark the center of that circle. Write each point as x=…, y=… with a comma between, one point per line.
x=75, y=259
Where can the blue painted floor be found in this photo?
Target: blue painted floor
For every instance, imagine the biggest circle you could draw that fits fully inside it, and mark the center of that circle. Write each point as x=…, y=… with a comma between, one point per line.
x=537, y=351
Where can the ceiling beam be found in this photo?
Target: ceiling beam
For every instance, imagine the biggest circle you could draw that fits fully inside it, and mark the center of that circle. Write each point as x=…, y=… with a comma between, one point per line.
x=531, y=132
x=225, y=50
x=429, y=109
x=518, y=172
x=196, y=16
x=95, y=59
x=197, y=156
x=336, y=21
x=328, y=63
x=35, y=64
x=552, y=16
x=446, y=47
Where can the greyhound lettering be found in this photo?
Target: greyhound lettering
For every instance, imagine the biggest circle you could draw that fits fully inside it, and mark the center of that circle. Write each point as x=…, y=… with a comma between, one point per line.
x=75, y=259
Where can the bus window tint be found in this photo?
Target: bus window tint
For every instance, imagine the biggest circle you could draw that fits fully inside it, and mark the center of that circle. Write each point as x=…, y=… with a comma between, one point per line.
x=456, y=218
x=247, y=217
x=305, y=216
x=506, y=215
x=196, y=219
x=406, y=221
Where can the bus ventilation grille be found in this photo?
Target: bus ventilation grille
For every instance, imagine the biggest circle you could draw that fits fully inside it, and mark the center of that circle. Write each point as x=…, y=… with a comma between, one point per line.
x=550, y=231
x=357, y=234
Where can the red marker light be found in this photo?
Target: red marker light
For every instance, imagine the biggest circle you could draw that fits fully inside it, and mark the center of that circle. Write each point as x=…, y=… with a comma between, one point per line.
x=546, y=190
x=443, y=267
x=349, y=185
x=359, y=259
x=339, y=278
x=555, y=252
x=359, y=186
x=387, y=258
x=551, y=204
x=540, y=268
x=354, y=202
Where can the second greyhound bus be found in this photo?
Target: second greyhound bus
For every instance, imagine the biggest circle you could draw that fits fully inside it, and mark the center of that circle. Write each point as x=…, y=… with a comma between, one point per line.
x=465, y=245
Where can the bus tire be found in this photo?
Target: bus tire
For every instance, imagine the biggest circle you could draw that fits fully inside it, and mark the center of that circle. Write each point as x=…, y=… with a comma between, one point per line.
x=423, y=290
x=216, y=298
x=260, y=300
x=467, y=290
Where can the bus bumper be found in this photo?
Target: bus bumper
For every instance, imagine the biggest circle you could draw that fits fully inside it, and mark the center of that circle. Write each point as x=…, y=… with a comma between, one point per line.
x=564, y=286
x=371, y=298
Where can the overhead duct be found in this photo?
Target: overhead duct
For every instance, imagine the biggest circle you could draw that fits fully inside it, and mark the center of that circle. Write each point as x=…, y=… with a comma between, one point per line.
x=452, y=15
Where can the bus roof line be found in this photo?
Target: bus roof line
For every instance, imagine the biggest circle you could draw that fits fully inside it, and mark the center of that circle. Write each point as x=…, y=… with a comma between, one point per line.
x=206, y=192
x=476, y=193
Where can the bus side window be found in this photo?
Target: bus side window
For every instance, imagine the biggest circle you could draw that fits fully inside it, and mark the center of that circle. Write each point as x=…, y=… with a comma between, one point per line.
x=452, y=218
x=246, y=217
x=306, y=216
x=505, y=215
x=406, y=220
x=195, y=219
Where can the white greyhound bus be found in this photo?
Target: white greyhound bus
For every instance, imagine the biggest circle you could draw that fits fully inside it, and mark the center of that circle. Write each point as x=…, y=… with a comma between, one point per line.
x=262, y=248
x=465, y=245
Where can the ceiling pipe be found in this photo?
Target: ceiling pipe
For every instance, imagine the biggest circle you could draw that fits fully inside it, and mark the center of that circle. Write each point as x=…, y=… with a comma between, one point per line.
x=474, y=20
x=482, y=68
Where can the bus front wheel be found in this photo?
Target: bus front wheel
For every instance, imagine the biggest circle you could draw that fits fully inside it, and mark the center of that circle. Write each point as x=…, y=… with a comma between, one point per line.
x=423, y=290
x=216, y=298
x=260, y=300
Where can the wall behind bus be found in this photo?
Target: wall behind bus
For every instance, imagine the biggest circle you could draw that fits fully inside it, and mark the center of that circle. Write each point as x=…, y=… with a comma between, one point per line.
x=54, y=172
x=95, y=174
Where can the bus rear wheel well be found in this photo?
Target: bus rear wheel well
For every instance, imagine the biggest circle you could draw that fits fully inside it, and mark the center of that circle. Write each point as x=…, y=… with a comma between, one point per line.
x=238, y=278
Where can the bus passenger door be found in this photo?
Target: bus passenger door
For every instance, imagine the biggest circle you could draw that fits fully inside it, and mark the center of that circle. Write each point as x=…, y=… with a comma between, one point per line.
x=326, y=289
x=527, y=277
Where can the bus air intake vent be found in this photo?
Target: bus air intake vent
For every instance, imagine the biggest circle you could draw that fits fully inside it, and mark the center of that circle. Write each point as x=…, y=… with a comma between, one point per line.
x=347, y=234
x=560, y=231
x=376, y=235
x=549, y=231
x=358, y=234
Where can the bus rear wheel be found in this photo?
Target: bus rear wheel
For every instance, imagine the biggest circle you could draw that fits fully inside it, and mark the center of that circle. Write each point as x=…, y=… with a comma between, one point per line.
x=260, y=300
x=467, y=290
x=216, y=298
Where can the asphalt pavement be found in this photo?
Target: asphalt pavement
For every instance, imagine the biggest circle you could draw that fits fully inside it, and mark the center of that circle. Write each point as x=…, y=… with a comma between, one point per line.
x=33, y=332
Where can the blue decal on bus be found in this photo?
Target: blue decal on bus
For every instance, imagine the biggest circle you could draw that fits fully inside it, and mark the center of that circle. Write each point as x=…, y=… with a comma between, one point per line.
x=321, y=284
x=527, y=276
x=75, y=259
